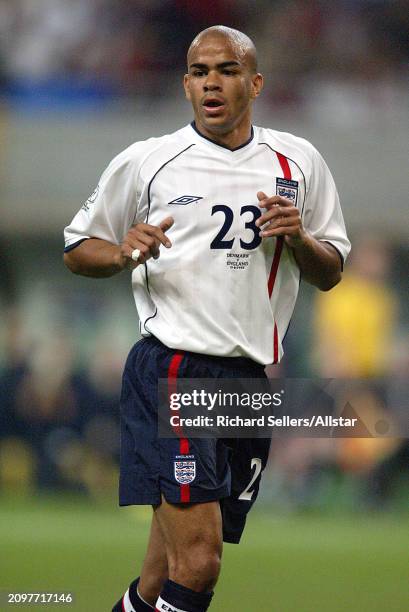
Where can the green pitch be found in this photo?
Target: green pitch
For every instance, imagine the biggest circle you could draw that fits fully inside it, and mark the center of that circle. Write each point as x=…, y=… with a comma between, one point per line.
x=293, y=564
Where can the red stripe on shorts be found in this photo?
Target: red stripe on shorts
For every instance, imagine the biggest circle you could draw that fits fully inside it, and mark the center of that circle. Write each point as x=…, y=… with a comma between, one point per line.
x=184, y=447
x=285, y=167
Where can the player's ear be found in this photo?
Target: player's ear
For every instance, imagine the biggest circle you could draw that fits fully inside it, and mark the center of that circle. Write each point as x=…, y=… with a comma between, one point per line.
x=186, y=84
x=257, y=83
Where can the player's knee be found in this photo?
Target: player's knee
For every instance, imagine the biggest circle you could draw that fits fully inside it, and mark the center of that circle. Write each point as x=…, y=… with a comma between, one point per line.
x=198, y=567
x=206, y=570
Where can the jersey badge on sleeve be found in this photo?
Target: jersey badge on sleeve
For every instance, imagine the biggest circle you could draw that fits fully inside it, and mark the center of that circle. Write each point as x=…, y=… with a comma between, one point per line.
x=91, y=199
x=186, y=199
x=287, y=188
x=185, y=471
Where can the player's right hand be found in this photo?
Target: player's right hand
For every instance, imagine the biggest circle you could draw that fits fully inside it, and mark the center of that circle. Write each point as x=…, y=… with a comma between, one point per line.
x=147, y=239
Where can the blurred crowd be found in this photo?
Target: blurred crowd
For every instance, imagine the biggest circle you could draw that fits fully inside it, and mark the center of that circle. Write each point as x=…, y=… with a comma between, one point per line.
x=58, y=421
x=358, y=335
x=138, y=47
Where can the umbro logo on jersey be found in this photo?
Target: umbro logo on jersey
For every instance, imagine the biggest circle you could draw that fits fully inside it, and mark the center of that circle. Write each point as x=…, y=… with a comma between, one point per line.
x=186, y=199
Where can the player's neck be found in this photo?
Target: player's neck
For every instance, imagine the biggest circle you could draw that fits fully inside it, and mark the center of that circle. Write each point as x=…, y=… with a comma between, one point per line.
x=235, y=139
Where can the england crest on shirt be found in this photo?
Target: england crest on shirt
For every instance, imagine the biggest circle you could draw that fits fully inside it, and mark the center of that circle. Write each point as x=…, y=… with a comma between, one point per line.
x=185, y=471
x=287, y=188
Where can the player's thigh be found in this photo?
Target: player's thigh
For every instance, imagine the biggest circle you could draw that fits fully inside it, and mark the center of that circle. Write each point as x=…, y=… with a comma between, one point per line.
x=191, y=527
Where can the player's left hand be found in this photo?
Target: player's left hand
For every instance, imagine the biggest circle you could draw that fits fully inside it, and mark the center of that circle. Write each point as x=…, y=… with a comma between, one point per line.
x=281, y=218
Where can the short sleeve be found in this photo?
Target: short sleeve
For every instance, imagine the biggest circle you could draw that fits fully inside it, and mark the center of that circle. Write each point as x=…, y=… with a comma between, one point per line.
x=323, y=214
x=110, y=211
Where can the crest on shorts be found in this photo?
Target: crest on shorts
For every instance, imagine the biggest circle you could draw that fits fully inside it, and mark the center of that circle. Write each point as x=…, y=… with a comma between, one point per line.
x=287, y=188
x=185, y=471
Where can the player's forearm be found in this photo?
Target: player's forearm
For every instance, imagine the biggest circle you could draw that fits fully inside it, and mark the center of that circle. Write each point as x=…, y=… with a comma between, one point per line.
x=95, y=258
x=319, y=262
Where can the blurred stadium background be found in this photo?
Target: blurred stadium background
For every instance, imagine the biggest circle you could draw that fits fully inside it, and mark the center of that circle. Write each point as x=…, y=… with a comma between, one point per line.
x=79, y=81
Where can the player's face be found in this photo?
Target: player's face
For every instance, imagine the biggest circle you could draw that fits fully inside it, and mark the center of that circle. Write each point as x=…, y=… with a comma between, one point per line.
x=221, y=86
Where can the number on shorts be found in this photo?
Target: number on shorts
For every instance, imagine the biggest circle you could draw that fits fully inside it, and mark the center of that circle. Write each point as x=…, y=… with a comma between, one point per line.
x=248, y=493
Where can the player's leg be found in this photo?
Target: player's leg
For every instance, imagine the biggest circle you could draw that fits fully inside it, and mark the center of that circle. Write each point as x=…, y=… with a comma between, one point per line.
x=155, y=565
x=140, y=466
x=195, y=471
x=143, y=592
x=193, y=537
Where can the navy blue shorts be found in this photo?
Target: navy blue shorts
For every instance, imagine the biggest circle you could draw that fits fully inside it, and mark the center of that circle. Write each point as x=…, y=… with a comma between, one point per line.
x=184, y=470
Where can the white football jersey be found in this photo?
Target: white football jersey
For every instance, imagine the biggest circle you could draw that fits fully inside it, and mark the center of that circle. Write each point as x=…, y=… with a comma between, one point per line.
x=220, y=289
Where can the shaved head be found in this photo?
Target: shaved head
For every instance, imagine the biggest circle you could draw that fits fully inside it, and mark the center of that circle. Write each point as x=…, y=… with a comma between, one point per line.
x=240, y=42
x=222, y=83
